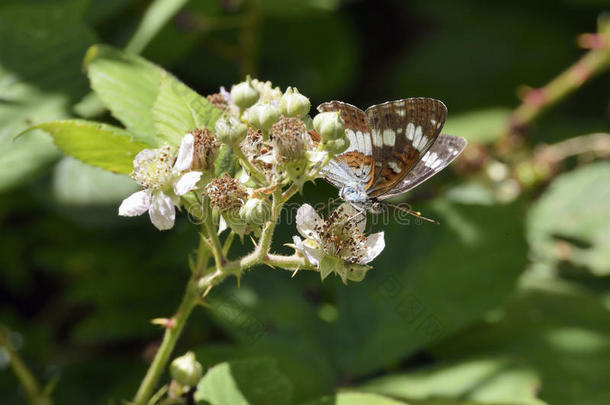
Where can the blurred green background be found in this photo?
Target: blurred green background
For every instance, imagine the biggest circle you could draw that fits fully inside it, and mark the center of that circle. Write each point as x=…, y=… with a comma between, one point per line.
x=507, y=302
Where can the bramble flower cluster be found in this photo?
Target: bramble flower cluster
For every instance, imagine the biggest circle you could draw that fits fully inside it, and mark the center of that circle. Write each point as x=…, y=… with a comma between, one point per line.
x=270, y=147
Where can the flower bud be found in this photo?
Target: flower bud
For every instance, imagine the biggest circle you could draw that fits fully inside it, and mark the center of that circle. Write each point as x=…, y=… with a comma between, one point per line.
x=230, y=131
x=308, y=121
x=244, y=95
x=294, y=104
x=263, y=116
x=186, y=370
x=255, y=211
x=336, y=146
x=268, y=93
x=329, y=125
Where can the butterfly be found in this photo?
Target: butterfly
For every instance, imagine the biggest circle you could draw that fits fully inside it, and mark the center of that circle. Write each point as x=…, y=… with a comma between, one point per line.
x=394, y=147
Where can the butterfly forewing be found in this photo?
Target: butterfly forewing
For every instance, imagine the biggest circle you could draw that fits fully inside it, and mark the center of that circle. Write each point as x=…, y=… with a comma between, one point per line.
x=401, y=133
x=358, y=158
x=444, y=150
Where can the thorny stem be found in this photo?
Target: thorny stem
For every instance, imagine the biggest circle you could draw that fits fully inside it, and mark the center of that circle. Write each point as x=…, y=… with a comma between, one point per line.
x=536, y=101
x=598, y=144
x=294, y=262
x=172, y=332
x=201, y=282
x=35, y=395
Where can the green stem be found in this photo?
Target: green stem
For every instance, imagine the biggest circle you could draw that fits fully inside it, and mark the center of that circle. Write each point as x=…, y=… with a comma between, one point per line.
x=212, y=234
x=537, y=101
x=172, y=333
x=174, y=328
x=228, y=242
x=294, y=262
x=252, y=171
x=23, y=374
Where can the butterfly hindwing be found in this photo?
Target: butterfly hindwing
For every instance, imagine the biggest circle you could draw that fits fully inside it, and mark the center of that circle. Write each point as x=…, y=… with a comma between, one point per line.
x=444, y=150
x=357, y=160
x=402, y=131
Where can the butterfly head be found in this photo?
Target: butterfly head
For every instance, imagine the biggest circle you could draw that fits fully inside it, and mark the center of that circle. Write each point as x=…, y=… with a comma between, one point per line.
x=358, y=197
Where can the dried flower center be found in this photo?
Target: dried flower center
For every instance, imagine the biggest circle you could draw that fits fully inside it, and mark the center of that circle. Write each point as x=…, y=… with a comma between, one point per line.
x=254, y=147
x=205, y=149
x=226, y=193
x=341, y=237
x=219, y=101
x=289, y=139
x=153, y=167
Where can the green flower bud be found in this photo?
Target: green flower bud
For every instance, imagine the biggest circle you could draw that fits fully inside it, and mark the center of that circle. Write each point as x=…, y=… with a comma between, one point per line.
x=329, y=125
x=308, y=121
x=255, y=211
x=230, y=130
x=186, y=370
x=336, y=146
x=297, y=172
x=263, y=116
x=294, y=104
x=244, y=95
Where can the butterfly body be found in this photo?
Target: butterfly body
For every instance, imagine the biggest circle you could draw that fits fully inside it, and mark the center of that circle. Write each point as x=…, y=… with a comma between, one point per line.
x=394, y=147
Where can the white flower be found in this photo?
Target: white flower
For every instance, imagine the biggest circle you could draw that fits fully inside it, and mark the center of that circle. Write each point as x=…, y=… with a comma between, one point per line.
x=337, y=244
x=164, y=181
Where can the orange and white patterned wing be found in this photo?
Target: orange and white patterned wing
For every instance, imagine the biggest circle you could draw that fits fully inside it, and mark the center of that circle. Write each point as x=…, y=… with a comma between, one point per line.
x=402, y=131
x=444, y=150
x=357, y=162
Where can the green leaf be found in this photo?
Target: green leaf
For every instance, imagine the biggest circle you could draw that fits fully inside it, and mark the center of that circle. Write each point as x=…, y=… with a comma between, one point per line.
x=553, y=328
x=53, y=36
x=270, y=316
x=570, y=223
x=244, y=382
x=128, y=86
x=429, y=282
x=97, y=144
x=78, y=184
x=493, y=380
x=484, y=126
x=354, y=398
x=157, y=15
x=178, y=110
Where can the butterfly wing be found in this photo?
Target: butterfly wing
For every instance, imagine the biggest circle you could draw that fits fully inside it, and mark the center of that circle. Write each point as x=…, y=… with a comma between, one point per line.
x=356, y=163
x=444, y=150
x=402, y=132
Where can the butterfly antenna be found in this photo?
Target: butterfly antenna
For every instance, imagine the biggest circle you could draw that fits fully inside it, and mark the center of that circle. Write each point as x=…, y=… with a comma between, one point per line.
x=328, y=204
x=416, y=214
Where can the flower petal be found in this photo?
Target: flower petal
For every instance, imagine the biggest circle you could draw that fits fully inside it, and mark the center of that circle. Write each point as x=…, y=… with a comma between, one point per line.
x=222, y=225
x=317, y=156
x=144, y=155
x=372, y=247
x=136, y=204
x=312, y=251
x=307, y=221
x=186, y=183
x=185, y=154
x=162, y=212
x=267, y=158
x=312, y=255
